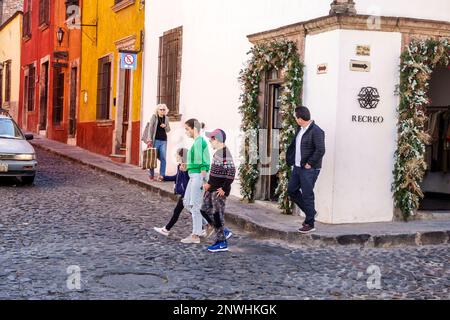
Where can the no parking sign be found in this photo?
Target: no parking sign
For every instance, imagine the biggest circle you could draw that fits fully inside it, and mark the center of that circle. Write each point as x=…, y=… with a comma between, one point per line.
x=128, y=60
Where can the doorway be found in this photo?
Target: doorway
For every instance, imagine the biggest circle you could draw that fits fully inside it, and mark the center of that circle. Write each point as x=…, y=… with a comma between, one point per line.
x=436, y=184
x=126, y=107
x=122, y=130
x=43, y=101
x=270, y=116
x=73, y=102
x=58, y=96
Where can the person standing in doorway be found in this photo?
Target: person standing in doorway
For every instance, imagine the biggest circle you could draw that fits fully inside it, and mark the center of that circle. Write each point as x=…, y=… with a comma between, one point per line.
x=305, y=155
x=198, y=162
x=155, y=136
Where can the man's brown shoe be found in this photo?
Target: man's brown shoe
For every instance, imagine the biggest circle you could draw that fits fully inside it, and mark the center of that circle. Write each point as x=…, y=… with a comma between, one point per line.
x=306, y=229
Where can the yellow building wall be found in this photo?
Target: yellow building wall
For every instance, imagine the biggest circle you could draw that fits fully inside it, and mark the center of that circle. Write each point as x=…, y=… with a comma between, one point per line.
x=112, y=26
x=10, y=49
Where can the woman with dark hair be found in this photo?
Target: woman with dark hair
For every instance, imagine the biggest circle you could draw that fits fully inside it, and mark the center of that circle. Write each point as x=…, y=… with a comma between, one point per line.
x=198, y=162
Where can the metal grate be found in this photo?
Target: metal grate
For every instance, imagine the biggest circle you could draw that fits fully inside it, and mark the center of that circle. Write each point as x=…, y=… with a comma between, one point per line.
x=58, y=96
x=169, y=73
x=31, y=87
x=8, y=81
x=44, y=12
x=103, y=88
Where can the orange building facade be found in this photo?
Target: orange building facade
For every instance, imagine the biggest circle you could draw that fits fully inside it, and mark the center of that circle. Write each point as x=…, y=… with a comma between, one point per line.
x=66, y=71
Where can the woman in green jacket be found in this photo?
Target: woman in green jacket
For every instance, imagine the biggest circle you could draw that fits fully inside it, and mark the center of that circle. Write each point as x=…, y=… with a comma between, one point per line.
x=198, y=163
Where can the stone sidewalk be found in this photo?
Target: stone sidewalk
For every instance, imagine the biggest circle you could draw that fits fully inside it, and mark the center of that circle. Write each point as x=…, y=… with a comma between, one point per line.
x=264, y=220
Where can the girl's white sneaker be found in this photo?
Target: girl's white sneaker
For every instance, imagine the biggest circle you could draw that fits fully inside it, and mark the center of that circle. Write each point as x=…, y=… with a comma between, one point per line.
x=162, y=231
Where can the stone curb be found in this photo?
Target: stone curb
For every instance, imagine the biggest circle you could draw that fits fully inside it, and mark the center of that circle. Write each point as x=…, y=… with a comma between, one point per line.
x=361, y=240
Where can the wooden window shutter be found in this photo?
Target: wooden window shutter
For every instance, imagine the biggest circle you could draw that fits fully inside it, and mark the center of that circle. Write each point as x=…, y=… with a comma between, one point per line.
x=25, y=92
x=169, y=69
x=31, y=84
x=99, y=89
x=44, y=12
x=41, y=12
x=58, y=95
x=103, y=88
x=1, y=87
x=47, y=12
x=8, y=81
x=26, y=28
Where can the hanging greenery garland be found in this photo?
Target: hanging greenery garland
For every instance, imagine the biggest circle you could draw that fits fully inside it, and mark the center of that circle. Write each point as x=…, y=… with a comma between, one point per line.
x=417, y=64
x=283, y=56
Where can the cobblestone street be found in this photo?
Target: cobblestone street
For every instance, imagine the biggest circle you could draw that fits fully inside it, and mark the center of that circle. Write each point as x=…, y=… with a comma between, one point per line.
x=75, y=216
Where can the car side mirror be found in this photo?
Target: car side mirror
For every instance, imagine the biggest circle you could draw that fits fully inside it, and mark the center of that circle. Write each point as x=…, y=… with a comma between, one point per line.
x=29, y=136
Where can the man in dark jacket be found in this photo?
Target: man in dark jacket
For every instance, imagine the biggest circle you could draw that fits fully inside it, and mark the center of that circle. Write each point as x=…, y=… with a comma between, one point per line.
x=305, y=156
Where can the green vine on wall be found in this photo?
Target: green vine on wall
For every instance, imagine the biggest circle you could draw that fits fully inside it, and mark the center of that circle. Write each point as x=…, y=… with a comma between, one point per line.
x=283, y=56
x=417, y=64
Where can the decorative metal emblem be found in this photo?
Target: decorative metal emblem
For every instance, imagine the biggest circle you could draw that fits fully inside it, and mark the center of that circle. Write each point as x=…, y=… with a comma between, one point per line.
x=369, y=98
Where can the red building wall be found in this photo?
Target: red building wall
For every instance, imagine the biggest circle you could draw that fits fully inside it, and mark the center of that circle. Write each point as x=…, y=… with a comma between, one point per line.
x=35, y=49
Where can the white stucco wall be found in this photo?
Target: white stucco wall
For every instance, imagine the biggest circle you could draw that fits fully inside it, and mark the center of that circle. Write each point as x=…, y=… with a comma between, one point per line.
x=321, y=94
x=355, y=182
x=365, y=151
x=214, y=51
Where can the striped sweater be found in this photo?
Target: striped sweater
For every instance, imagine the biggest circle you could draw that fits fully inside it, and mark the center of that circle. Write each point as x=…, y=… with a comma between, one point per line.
x=222, y=171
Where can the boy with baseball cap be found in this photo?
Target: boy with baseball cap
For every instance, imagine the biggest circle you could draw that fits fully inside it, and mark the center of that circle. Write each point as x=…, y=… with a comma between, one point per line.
x=218, y=187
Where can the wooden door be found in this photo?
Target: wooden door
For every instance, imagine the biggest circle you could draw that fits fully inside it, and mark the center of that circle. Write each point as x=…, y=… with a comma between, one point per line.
x=43, y=101
x=73, y=102
x=126, y=107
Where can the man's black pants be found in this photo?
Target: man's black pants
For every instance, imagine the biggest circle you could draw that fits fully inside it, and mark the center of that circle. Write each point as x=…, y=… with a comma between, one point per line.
x=301, y=191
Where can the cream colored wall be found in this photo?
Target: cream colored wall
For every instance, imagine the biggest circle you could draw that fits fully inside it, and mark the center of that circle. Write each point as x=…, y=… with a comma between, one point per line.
x=10, y=49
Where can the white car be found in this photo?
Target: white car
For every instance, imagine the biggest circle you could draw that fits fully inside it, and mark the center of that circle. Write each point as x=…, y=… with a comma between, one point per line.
x=17, y=156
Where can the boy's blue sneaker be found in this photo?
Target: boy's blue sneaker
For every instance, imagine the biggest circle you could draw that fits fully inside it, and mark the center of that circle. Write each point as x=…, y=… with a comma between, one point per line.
x=227, y=232
x=218, y=247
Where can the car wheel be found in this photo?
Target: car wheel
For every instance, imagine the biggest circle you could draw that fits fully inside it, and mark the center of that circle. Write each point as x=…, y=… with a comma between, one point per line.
x=28, y=180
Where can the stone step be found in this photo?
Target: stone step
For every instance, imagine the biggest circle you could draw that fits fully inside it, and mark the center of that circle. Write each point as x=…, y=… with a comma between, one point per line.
x=432, y=215
x=119, y=158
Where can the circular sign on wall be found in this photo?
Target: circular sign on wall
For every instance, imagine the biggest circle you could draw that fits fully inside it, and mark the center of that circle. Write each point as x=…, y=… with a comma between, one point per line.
x=129, y=59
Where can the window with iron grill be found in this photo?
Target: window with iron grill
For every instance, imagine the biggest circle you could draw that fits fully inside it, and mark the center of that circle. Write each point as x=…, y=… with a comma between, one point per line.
x=26, y=28
x=58, y=96
x=169, y=70
x=103, y=88
x=71, y=8
x=31, y=86
x=1, y=84
x=8, y=81
x=44, y=12
x=43, y=96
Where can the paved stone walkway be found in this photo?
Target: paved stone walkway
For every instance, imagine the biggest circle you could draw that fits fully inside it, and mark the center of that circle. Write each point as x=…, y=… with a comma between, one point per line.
x=75, y=216
x=266, y=221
